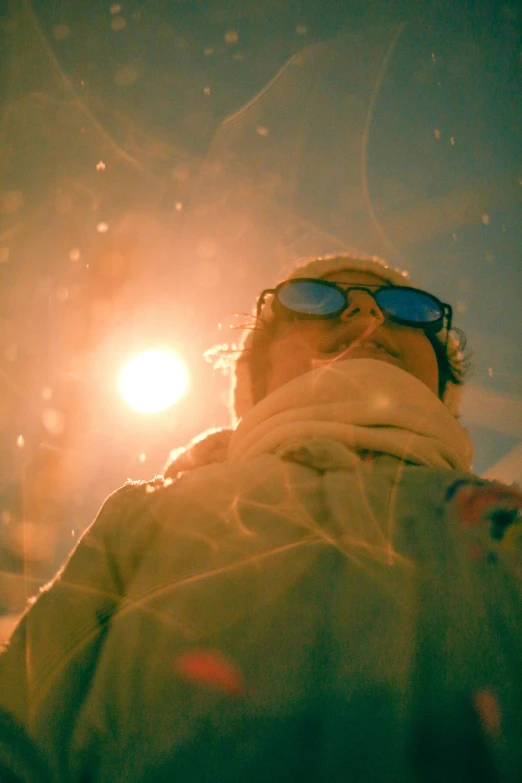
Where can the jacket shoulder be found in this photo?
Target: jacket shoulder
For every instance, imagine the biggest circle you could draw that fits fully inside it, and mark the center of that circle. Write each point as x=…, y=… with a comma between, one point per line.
x=207, y=448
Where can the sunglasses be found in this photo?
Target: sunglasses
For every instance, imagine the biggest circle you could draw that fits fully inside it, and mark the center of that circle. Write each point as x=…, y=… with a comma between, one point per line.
x=310, y=299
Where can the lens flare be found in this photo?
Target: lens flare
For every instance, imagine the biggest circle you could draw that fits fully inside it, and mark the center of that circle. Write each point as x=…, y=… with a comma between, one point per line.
x=153, y=380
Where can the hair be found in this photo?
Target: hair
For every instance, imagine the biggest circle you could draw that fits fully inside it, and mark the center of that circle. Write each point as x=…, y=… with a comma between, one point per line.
x=453, y=362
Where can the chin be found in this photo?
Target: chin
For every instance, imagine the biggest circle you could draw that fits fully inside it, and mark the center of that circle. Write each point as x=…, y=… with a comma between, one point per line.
x=380, y=357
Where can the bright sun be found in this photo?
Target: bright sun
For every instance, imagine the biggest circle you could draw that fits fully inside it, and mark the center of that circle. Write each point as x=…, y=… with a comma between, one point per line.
x=153, y=381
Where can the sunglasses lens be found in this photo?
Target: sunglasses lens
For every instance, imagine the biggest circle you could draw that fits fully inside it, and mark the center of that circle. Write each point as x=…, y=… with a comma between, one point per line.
x=409, y=305
x=311, y=297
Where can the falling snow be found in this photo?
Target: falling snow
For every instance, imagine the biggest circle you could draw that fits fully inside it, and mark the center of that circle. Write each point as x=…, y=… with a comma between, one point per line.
x=118, y=23
x=231, y=37
x=53, y=421
x=61, y=32
x=126, y=76
x=62, y=293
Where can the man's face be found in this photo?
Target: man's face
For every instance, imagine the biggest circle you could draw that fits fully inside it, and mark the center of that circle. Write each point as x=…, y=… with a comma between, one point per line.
x=360, y=332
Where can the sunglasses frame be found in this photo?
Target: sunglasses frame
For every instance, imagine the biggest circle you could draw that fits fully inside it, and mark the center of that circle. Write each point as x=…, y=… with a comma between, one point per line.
x=286, y=314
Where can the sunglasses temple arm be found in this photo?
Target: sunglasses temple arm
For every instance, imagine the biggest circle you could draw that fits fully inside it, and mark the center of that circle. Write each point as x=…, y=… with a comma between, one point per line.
x=449, y=316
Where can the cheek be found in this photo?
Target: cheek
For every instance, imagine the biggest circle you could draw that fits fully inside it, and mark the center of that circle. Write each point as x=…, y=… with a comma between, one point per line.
x=290, y=355
x=289, y=352
x=421, y=360
x=297, y=340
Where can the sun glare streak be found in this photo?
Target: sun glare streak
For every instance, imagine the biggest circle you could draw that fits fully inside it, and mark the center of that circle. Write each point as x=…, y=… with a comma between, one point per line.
x=365, y=140
x=153, y=381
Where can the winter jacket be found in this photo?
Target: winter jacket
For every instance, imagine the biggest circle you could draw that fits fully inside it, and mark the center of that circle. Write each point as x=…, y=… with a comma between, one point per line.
x=282, y=619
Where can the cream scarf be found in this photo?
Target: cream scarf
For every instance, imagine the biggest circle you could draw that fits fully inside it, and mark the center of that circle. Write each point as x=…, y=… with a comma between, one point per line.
x=365, y=404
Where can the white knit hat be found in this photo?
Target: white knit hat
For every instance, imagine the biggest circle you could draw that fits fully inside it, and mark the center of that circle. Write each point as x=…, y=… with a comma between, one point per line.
x=242, y=399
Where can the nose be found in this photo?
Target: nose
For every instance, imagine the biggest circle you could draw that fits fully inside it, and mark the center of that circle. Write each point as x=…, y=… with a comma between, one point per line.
x=363, y=304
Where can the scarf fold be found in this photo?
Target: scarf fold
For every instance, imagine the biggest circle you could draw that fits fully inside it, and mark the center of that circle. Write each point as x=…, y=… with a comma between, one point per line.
x=365, y=404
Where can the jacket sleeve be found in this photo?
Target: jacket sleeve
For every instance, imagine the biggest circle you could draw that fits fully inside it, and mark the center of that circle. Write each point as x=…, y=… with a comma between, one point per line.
x=20, y=761
x=48, y=665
